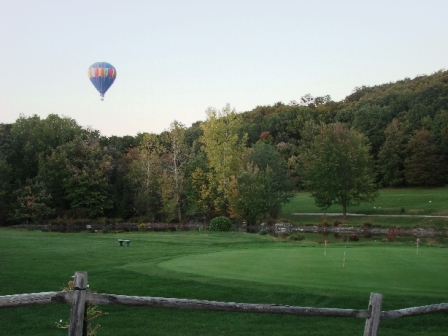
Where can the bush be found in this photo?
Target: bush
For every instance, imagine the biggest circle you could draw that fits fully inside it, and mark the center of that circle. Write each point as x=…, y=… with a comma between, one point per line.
x=354, y=237
x=336, y=223
x=296, y=236
x=220, y=224
x=325, y=221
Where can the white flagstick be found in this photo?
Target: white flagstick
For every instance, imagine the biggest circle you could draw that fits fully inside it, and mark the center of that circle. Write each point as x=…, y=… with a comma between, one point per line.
x=343, y=262
x=325, y=251
x=418, y=241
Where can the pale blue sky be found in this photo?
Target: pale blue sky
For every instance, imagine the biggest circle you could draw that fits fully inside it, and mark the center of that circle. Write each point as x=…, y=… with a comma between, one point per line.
x=176, y=58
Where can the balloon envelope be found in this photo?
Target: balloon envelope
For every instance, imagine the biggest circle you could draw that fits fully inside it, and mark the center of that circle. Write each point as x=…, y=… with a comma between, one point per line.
x=102, y=75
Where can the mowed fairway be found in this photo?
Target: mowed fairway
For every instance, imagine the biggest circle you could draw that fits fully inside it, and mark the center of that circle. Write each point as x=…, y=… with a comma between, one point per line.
x=389, y=201
x=383, y=269
x=232, y=267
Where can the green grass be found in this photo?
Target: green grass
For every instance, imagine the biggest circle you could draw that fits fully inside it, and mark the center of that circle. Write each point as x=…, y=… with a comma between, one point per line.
x=232, y=266
x=365, y=269
x=389, y=202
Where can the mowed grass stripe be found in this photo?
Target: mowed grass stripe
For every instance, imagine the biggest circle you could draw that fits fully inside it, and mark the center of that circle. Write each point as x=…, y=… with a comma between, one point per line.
x=389, y=201
x=388, y=270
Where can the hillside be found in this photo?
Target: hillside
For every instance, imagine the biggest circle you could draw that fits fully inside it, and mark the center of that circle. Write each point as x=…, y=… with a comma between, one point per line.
x=53, y=168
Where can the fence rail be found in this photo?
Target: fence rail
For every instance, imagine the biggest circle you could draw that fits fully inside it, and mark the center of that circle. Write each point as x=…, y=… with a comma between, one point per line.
x=80, y=297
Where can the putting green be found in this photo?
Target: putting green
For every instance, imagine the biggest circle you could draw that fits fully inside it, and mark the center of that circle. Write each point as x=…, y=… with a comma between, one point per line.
x=394, y=270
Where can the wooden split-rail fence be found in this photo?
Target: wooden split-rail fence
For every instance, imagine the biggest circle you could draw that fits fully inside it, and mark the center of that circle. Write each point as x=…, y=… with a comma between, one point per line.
x=80, y=297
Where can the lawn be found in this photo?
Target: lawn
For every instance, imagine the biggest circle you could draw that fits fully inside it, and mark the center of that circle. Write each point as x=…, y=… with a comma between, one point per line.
x=412, y=202
x=363, y=269
x=235, y=267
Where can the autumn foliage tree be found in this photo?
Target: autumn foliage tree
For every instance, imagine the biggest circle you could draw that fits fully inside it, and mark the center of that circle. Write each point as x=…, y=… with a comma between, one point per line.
x=224, y=148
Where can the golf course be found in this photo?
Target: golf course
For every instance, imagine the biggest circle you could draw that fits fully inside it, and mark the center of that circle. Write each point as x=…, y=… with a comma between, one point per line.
x=228, y=266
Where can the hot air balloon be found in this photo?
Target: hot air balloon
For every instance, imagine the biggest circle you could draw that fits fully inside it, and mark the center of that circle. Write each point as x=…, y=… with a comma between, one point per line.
x=102, y=75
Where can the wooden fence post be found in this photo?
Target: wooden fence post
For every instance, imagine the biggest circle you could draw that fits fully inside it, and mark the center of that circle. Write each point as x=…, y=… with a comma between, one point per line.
x=78, y=327
x=373, y=322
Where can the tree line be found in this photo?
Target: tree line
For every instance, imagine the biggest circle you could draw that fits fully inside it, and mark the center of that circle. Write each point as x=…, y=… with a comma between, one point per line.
x=241, y=165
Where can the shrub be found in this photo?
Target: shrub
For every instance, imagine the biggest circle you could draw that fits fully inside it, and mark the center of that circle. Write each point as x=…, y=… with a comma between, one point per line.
x=220, y=224
x=263, y=231
x=392, y=233
x=324, y=220
x=336, y=223
x=296, y=236
x=198, y=227
x=354, y=237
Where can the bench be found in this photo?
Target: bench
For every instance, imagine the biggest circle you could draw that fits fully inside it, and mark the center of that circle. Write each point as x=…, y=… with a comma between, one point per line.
x=124, y=240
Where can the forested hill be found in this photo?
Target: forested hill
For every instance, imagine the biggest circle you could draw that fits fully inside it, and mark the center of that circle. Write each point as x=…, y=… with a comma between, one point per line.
x=53, y=168
x=403, y=119
x=419, y=103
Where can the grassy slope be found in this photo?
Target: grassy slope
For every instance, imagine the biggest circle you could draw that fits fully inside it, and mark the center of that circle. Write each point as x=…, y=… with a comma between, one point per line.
x=389, y=202
x=37, y=262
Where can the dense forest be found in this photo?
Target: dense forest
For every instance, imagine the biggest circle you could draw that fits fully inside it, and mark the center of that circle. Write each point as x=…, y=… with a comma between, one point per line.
x=241, y=165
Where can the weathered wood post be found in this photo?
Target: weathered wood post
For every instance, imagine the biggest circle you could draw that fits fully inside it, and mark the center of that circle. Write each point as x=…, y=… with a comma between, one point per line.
x=373, y=322
x=78, y=326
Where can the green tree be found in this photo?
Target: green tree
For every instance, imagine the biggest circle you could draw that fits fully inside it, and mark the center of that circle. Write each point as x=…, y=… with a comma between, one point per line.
x=6, y=171
x=247, y=200
x=121, y=190
x=424, y=164
x=87, y=186
x=5, y=189
x=372, y=121
x=257, y=194
x=31, y=203
x=198, y=206
x=417, y=115
x=392, y=155
x=439, y=130
x=261, y=186
x=34, y=138
x=77, y=176
x=145, y=175
x=338, y=168
x=174, y=160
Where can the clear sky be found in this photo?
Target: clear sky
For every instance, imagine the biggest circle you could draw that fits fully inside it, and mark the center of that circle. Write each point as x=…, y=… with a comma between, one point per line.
x=176, y=58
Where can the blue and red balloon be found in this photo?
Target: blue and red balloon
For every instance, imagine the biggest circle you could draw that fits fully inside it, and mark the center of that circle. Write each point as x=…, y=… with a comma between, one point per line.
x=102, y=75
